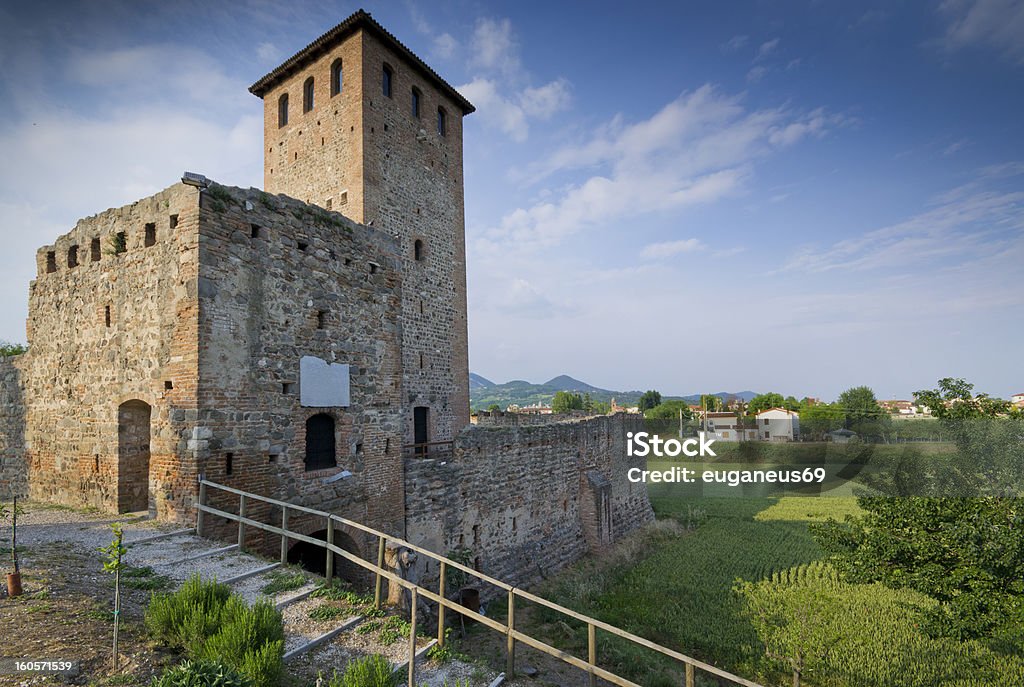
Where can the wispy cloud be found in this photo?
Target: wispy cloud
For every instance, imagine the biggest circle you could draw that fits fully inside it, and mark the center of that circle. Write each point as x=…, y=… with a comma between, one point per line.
x=697, y=149
x=735, y=43
x=995, y=24
x=966, y=224
x=668, y=249
x=767, y=48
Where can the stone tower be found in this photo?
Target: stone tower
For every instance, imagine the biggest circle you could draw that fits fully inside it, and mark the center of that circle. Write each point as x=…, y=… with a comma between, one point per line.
x=358, y=124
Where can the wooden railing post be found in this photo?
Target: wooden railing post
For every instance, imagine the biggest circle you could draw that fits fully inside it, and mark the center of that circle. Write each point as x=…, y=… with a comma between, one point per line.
x=201, y=516
x=510, y=661
x=592, y=652
x=241, y=525
x=284, y=537
x=330, y=553
x=380, y=566
x=412, y=639
x=440, y=608
x=690, y=682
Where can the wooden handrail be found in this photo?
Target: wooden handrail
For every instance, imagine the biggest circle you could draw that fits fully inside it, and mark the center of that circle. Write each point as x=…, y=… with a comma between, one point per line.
x=508, y=629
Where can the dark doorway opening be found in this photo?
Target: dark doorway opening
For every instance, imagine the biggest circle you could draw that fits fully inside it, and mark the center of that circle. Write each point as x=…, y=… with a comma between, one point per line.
x=320, y=443
x=133, y=451
x=421, y=428
x=314, y=558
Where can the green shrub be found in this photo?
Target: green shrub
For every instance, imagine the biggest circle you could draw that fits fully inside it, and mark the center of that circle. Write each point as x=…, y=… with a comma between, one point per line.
x=201, y=674
x=369, y=671
x=211, y=624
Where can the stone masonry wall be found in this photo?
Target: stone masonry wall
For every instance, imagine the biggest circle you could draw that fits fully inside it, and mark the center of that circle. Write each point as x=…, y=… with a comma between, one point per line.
x=281, y=280
x=521, y=500
x=112, y=320
x=13, y=467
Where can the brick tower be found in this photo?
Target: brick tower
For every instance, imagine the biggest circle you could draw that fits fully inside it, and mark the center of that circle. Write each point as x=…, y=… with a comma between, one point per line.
x=358, y=124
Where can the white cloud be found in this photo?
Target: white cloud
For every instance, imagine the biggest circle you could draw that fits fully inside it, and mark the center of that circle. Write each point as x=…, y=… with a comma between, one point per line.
x=501, y=91
x=697, y=149
x=268, y=54
x=997, y=24
x=667, y=249
x=756, y=73
x=444, y=46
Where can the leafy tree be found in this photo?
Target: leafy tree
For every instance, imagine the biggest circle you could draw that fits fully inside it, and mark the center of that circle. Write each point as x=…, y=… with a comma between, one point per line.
x=8, y=349
x=113, y=555
x=494, y=408
x=967, y=553
x=566, y=402
x=818, y=420
x=764, y=402
x=713, y=404
x=650, y=399
x=790, y=403
x=669, y=410
x=862, y=413
x=601, y=408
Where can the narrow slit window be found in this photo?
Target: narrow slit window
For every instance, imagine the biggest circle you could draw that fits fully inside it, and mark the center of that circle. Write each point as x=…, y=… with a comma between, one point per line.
x=172, y=221
x=229, y=463
x=417, y=250
x=51, y=262
x=106, y=315
x=307, y=95
x=150, y=235
x=321, y=319
x=416, y=102
x=94, y=250
x=337, y=80
x=254, y=231
x=386, y=77
x=73, y=256
x=282, y=110
x=442, y=121
x=320, y=443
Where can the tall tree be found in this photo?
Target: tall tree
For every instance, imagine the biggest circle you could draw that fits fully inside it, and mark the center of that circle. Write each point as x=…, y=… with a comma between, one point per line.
x=764, y=402
x=650, y=399
x=566, y=402
x=862, y=414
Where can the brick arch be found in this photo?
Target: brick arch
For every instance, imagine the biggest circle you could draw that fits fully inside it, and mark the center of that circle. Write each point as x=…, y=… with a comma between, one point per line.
x=314, y=559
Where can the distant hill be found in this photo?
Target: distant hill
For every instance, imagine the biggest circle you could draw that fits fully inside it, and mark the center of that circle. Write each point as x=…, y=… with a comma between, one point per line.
x=484, y=393
x=478, y=382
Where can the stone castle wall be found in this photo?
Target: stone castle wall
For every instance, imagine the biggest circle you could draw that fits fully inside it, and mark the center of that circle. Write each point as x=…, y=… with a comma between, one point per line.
x=112, y=320
x=526, y=501
x=13, y=469
x=281, y=280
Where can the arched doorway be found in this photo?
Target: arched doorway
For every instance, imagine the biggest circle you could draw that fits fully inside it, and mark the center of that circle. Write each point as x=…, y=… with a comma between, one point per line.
x=314, y=558
x=133, y=435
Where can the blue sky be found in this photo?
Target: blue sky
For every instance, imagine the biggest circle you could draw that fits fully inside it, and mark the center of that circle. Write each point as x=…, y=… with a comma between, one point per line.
x=795, y=197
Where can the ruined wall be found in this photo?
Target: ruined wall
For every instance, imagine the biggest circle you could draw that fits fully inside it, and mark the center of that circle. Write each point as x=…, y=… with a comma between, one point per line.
x=526, y=501
x=504, y=419
x=112, y=319
x=13, y=467
x=281, y=280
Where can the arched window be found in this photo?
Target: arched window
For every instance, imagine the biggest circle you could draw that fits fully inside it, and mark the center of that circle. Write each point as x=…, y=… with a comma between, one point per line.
x=416, y=96
x=417, y=250
x=307, y=95
x=386, y=78
x=320, y=448
x=282, y=110
x=337, y=82
x=442, y=124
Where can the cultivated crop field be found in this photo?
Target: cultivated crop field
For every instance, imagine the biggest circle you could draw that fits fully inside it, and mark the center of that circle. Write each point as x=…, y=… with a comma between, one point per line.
x=720, y=584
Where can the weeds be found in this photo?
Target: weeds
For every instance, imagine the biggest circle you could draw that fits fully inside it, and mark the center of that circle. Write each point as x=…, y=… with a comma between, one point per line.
x=284, y=580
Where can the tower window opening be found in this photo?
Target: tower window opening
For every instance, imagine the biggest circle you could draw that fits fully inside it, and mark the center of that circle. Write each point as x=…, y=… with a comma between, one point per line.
x=106, y=315
x=337, y=81
x=442, y=123
x=307, y=95
x=282, y=110
x=254, y=231
x=120, y=241
x=51, y=262
x=172, y=221
x=417, y=250
x=321, y=319
x=150, y=239
x=73, y=256
x=320, y=442
x=386, y=78
x=229, y=463
x=416, y=102
x=94, y=250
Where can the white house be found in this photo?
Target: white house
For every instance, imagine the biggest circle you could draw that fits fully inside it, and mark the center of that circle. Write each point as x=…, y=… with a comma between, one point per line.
x=778, y=424
x=726, y=427
x=1017, y=400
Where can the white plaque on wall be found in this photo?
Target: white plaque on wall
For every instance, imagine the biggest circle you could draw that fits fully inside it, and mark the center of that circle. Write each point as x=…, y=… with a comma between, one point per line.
x=323, y=384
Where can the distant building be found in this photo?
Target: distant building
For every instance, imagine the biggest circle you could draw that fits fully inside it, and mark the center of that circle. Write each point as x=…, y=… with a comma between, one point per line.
x=1017, y=400
x=729, y=427
x=537, y=408
x=778, y=424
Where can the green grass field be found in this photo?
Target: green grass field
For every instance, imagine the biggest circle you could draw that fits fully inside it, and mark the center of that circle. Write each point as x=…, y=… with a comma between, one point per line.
x=677, y=586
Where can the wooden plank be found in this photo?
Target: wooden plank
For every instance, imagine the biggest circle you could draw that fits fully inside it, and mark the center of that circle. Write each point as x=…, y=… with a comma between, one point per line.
x=204, y=554
x=412, y=638
x=158, y=537
x=403, y=666
x=294, y=598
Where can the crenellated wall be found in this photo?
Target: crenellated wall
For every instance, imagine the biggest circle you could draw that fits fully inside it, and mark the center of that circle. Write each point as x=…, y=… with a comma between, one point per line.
x=527, y=501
